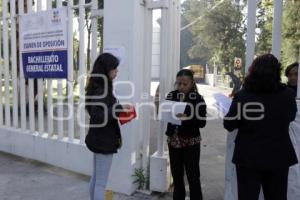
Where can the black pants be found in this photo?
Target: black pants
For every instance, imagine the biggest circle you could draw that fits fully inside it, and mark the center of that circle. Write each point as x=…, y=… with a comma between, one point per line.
x=274, y=183
x=187, y=158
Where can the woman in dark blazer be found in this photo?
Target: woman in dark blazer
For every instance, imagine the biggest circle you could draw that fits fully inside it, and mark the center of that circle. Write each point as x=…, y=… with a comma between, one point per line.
x=262, y=112
x=104, y=137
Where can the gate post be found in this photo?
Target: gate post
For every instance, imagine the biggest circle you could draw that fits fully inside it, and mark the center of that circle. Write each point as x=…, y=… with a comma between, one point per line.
x=124, y=29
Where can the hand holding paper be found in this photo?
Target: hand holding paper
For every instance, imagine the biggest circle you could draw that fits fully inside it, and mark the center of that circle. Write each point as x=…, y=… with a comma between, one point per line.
x=172, y=112
x=181, y=116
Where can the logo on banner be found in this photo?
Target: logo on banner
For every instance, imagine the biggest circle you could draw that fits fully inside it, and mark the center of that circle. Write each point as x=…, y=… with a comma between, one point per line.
x=56, y=18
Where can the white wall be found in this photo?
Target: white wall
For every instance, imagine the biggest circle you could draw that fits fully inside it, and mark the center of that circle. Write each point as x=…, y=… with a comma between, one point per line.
x=61, y=153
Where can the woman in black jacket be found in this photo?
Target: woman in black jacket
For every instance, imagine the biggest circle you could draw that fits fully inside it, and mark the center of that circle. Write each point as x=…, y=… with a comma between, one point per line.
x=262, y=112
x=104, y=137
x=184, y=140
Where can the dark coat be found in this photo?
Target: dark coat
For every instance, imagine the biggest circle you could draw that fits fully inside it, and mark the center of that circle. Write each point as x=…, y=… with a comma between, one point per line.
x=263, y=144
x=294, y=88
x=189, y=128
x=106, y=138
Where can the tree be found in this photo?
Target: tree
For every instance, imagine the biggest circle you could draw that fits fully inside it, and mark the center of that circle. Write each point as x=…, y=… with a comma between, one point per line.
x=192, y=50
x=264, y=27
x=219, y=34
x=290, y=32
x=186, y=42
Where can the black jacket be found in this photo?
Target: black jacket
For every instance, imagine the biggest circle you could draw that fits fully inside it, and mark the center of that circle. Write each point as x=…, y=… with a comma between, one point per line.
x=107, y=138
x=263, y=144
x=294, y=88
x=189, y=128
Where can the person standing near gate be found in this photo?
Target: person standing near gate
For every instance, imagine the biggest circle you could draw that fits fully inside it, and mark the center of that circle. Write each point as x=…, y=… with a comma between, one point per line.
x=184, y=140
x=104, y=136
x=262, y=112
x=291, y=73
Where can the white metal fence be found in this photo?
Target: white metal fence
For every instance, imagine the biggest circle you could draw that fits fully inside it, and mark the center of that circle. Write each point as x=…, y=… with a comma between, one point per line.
x=38, y=116
x=32, y=100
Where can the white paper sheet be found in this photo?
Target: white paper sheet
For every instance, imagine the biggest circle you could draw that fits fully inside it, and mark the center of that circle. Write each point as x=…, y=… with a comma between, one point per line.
x=168, y=111
x=222, y=102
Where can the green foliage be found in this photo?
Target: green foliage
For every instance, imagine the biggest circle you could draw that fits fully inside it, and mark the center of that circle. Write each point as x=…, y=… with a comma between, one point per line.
x=264, y=26
x=218, y=33
x=290, y=29
x=186, y=43
x=290, y=32
x=1, y=8
x=140, y=177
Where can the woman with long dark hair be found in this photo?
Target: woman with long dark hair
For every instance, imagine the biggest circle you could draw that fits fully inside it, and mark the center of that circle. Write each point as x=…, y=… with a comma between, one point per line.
x=104, y=137
x=262, y=112
x=184, y=140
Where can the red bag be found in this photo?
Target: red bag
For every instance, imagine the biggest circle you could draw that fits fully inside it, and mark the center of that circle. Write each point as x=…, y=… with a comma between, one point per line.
x=126, y=117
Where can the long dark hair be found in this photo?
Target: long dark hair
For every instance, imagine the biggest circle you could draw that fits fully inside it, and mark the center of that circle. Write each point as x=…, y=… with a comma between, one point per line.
x=189, y=73
x=264, y=75
x=103, y=65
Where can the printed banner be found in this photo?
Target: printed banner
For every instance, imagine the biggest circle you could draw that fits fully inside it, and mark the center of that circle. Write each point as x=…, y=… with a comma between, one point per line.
x=44, y=43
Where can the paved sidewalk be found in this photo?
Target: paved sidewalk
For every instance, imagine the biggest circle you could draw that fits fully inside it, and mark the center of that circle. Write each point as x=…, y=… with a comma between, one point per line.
x=23, y=179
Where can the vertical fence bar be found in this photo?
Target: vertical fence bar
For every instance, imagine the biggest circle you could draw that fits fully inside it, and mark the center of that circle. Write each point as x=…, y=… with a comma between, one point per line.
x=6, y=63
x=82, y=68
x=39, y=5
x=177, y=31
x=60, y=128
x=40, y=91
x=94, y=32
x=172, y=58
x=29, y=6
x=251, y=23
x=14, y=62
x=49, y=94
x=163, y=74
x=22, y=79
x=31, y=83
x=1, y=71
x=70, y=72
x=59, y=3
x=148, y=41
x=298, y=88
x=276, y=32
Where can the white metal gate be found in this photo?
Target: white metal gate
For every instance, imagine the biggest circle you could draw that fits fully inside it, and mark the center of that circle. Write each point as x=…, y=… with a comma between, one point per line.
x=45, y=110
x=47, y=126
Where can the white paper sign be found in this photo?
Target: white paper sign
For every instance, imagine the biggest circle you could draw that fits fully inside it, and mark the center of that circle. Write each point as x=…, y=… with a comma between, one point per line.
x=168, y=111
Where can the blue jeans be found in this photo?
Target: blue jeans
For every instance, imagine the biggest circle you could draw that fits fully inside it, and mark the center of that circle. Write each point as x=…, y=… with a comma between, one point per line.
x=101, y=168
